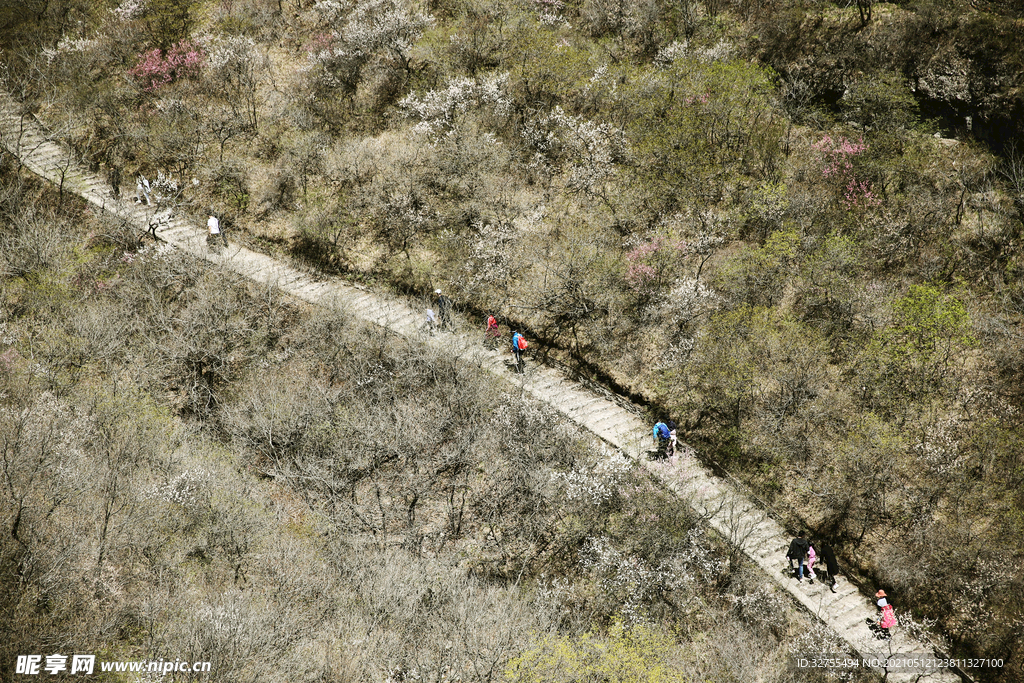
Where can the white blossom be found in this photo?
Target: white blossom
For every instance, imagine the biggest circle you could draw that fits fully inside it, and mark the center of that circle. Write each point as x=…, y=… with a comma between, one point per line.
x=817, y=639
x=360, y=33
x=598, y=484
x=764, y=607
x=697, y=559
x=188, y=489
x=229, y=52
x=591, y=149
x=383, y=24
x=690, y=298
x=627, y=577
x=129, y=9
x=439, y=110
x=939, y=447
x=720, y=52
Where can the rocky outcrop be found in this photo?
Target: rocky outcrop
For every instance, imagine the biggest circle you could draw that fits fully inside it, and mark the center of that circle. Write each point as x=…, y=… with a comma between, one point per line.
x=946, y=77
x=966, y=72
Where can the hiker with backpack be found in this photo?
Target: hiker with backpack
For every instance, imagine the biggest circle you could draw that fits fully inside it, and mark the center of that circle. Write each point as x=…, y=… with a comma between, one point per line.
x=798, y=553
x=492, y=333
x=518, y=346
x=662, y=439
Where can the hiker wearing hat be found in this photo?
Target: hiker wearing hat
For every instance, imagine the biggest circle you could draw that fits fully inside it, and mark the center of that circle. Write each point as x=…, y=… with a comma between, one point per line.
x=444, y=310
x=886, y=617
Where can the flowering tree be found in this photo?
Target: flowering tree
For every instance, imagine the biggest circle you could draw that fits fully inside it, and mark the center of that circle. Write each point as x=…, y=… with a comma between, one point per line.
x=650, y=263
x=156, y=68
x=837, y=155
x=440, y=110
x=374, y=31
x=233, y=70
x=590, y=151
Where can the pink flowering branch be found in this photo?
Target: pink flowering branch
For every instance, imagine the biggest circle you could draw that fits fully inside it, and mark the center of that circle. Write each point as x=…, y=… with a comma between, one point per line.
x=155, y=69
x=859, y=194
x=837, y=156
x=646, y=262
x=320, y=43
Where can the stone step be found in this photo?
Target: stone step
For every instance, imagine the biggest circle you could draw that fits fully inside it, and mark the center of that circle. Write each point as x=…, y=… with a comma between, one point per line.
x=625, y=429
x=580, y=407
x=603, y=416
x=312, y=288
x=544, y=382
x=843, y=615
x=365, y=302
x=776, y=546
x=765, y=528
x=288, y=278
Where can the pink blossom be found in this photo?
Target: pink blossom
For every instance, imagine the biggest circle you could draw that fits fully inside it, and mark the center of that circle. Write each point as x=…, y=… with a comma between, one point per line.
x=837, y=155
x=859, y=194
x=155, y=70
x=646, y=261
x=320, y=43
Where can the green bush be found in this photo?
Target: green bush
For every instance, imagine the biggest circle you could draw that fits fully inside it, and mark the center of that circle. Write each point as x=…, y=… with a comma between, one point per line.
x=636, y=654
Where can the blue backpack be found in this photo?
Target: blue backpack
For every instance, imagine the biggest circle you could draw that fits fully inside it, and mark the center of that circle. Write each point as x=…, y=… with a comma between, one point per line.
x=660, y=430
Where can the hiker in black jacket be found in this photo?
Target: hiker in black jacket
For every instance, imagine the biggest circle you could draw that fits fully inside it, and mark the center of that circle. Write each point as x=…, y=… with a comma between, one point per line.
x=798, y=552
x=829, y=556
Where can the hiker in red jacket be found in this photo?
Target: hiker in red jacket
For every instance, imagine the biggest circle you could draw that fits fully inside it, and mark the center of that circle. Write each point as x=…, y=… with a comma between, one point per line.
x=492, y=333
x=886, y=617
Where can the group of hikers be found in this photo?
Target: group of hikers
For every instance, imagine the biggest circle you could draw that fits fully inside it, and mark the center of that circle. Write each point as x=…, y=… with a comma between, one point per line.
x=443, y=320
x=804, y=553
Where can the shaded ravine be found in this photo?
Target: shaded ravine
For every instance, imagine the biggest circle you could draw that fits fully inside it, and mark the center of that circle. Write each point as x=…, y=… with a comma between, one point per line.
x=725, y=508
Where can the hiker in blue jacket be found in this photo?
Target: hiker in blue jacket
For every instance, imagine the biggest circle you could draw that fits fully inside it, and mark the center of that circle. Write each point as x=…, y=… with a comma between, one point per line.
x=518, y=345
x=661, y=436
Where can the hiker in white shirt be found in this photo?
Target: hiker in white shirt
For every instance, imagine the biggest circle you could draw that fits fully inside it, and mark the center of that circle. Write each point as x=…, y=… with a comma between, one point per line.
x=214, y=225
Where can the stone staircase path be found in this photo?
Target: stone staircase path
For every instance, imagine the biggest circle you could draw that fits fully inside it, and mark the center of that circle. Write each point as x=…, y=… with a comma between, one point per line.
x=727, y=509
